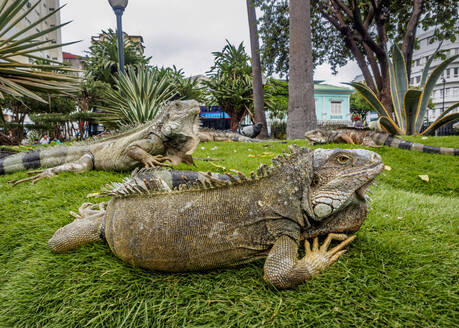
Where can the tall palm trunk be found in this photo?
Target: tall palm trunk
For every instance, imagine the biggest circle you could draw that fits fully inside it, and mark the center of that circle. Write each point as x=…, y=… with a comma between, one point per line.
x=301, y=105
x=258, y=92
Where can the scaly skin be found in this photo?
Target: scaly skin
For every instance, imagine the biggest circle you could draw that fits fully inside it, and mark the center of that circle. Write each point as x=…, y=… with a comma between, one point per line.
x=371, y=138
x=172, y=136
x=223, y=224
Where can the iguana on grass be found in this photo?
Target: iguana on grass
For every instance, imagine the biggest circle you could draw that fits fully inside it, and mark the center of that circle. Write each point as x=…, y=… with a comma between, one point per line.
x=206, y=135
x=226, y=223
x=371, y=138
x=171, y=136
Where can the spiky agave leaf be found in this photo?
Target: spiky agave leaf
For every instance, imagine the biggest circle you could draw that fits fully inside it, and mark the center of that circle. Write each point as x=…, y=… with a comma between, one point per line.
x=443, y=119
x=20, y=79
x=399, y=85
x=427, y=91
x=139, y=95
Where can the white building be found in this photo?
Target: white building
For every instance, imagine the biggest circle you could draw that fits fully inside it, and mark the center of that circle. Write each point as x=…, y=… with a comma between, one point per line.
x=43, y=9
x=447, y=87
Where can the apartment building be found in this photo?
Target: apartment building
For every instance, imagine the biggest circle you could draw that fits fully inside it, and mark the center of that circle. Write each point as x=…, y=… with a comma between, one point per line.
x=446, y=90
x=43, y=8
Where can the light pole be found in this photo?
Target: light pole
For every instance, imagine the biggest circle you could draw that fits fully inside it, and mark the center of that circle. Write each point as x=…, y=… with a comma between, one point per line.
x=118, y=7
x=444, y=84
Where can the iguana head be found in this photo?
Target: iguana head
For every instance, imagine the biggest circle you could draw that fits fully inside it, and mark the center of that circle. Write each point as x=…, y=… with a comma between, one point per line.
x=317, y=136
x=340, y=177
x=182, y=128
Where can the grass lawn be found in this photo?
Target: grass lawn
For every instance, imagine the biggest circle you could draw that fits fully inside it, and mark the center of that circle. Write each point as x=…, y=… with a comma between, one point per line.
x=401, y=271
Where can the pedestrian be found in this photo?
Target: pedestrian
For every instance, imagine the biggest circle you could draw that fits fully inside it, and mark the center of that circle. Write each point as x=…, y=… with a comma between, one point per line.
x=44, y=140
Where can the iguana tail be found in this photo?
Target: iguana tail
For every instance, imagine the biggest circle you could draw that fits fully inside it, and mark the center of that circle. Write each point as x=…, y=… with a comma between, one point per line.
x=88, y=227
x=49, y=157
x=388, y=140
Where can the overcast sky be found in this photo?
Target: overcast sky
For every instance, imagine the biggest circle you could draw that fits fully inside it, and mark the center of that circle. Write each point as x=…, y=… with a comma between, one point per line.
x=183, y=33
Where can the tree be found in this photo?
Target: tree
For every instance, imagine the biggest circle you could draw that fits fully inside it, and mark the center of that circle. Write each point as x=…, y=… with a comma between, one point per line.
x=301, y=104
x=230, y=84
x=258, y=92
x=101, y=63
x=359, y=30
x=359, y=105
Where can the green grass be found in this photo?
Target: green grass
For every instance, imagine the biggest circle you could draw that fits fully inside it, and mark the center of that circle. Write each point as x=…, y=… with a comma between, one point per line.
x=400, y=272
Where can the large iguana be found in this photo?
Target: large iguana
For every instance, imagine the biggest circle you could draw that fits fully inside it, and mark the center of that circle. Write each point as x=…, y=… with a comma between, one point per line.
x=371, y=138
x=225, y=223
x=171, y=136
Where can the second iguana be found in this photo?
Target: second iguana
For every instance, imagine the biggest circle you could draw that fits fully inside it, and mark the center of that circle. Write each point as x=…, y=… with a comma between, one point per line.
x=370, y=138
x=172, y=136
x=221, y=224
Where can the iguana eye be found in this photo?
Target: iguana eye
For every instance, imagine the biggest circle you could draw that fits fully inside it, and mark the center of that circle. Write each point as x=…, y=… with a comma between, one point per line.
x=343, y=159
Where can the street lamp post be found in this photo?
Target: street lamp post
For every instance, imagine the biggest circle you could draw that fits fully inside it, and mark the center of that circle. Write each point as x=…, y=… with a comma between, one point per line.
x=444, y=84
x=118, y=7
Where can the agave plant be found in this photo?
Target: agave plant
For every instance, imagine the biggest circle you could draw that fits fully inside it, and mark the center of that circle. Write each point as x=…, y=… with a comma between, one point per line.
x=23, y=79
x=138, y=96
x=409, y=104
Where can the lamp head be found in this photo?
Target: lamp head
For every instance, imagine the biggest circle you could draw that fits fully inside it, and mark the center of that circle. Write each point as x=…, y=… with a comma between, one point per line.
x=118, y=4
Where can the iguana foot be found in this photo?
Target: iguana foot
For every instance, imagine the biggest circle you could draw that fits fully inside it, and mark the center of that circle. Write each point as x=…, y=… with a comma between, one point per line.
x=158, y=160
x=48, y=173
x=89, y=209
x=318, y=259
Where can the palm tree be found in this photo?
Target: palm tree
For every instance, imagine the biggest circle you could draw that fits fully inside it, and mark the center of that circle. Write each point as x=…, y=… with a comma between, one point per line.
x=25, y=79
x=301, y=106
x=258, y=92
x=102, y=60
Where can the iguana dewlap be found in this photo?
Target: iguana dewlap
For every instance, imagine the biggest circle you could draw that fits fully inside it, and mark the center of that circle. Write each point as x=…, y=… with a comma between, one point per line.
x=222, y=224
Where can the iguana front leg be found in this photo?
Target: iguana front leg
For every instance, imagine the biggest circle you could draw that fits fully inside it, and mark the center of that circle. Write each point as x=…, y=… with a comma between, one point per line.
x=85, y=163
x=283, y=269
x=140, y=151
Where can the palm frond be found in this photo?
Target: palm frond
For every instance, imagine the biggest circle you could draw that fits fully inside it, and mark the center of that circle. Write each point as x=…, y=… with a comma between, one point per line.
x=21, y=79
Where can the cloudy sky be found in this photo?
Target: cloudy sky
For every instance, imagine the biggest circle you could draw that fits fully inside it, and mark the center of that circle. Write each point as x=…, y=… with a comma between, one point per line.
x=183, y=33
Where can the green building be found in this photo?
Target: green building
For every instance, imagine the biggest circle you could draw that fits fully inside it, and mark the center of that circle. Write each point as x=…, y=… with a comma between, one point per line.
x=332, y=103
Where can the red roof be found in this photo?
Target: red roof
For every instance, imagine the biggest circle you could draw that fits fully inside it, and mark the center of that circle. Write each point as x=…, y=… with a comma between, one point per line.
x=68, y=55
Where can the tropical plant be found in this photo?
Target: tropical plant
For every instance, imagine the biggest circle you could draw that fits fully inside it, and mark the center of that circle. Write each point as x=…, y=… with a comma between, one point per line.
x=184, y=87
x=25, y=79
x=101, y=63
x=230, y=83
x=409, y=104
x=137, y=96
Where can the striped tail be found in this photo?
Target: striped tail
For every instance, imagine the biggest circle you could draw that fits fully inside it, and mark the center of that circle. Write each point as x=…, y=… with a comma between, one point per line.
x=403, y=144
x=49, y=157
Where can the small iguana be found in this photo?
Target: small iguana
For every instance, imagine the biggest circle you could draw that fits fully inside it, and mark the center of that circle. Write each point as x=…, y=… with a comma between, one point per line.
x=371, y=138
x=206, y=135
x=221, y=224
x=172, y=136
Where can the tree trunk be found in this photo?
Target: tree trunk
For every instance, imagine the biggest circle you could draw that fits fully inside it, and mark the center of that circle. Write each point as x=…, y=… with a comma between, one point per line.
x=301, y=105
x=258, y=92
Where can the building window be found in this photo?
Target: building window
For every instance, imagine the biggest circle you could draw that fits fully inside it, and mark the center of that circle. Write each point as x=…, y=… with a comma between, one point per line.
x=447, y=73
x=457, y=51
x=336, y=108
x=456, y=71
x=447, y=92
x=418, y=79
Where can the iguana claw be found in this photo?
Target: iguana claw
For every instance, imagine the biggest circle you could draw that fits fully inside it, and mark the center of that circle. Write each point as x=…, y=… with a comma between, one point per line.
x=158, y=160
x=318, y=259
x=41, y=175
